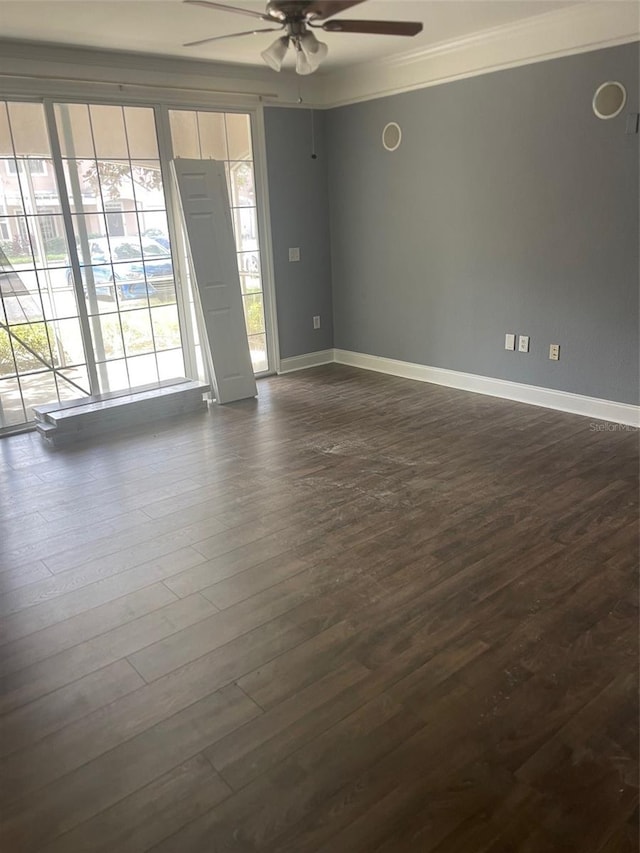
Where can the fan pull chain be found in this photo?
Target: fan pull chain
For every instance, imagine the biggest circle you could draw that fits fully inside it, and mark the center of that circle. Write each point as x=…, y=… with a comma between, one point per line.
x=314, y=156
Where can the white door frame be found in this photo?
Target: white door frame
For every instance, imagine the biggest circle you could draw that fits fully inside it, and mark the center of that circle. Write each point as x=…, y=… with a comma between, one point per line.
x=265, y=238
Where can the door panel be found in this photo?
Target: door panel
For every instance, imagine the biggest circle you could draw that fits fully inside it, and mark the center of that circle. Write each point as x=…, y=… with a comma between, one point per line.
x=202, y=188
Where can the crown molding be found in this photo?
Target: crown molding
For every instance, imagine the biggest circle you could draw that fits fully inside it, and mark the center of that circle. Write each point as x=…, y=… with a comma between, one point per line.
x=574, y=29
x=52, y=69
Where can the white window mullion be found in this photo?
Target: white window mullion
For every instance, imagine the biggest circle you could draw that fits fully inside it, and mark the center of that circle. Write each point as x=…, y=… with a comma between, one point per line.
x=180, y=270
x=56, y=156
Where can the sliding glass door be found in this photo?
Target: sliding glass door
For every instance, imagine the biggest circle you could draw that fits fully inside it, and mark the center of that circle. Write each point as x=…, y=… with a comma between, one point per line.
x=119, y=217
x=94, y=296
x=42, y=352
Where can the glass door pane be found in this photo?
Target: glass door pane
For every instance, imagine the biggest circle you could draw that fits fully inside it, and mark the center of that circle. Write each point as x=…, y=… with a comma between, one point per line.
x=118, y=207
x=42, y=357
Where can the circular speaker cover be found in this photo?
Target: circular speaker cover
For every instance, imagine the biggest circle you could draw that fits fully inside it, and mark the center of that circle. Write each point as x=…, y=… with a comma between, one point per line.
x=391, y=136
x=609, y=99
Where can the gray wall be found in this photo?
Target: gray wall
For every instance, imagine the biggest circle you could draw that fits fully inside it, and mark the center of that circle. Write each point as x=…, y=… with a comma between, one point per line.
x=299, y=218
x=508, y=208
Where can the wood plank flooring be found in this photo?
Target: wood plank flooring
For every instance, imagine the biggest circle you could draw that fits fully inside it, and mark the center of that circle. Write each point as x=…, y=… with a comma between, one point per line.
x=358, y=615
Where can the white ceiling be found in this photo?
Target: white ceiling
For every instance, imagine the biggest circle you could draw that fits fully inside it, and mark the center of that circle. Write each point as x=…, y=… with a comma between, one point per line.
x=161, y=26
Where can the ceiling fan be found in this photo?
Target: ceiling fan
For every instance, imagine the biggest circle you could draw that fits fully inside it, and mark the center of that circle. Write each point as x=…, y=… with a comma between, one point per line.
x=298, y=18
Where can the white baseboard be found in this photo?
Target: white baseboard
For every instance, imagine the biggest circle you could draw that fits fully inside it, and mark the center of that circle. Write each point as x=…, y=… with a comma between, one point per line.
x=309, y=359
x=548, y=398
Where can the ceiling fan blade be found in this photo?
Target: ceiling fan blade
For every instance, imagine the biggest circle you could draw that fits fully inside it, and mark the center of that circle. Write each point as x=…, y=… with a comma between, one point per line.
x=381, y=28
x=232, y=36
x=326, y=8
x=222, y=7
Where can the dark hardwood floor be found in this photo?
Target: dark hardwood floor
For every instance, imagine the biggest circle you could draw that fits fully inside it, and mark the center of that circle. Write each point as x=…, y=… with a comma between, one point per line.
x=360, y=615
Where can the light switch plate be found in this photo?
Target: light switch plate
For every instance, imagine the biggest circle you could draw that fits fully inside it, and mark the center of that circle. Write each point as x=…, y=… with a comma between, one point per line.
x=510, y=342
x=316, y=321
x=523, y=343
x=294, y=254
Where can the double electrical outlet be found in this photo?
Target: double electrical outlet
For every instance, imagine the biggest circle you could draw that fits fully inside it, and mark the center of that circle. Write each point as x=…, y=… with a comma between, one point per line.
x=523, y=345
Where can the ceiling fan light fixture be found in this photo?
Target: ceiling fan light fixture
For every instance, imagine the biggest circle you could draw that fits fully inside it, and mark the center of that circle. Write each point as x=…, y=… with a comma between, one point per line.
x=274, y=55
x=312, y=46
x=303, y=66
x=296, y=17
x=310, y=53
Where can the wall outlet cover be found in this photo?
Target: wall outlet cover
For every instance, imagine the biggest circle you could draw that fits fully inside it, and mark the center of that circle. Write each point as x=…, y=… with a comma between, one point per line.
x=523, y=343
x=294, y=254
x=554, y=352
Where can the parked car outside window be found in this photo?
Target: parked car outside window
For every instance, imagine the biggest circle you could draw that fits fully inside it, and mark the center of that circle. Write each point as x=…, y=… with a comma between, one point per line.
x=133, y=267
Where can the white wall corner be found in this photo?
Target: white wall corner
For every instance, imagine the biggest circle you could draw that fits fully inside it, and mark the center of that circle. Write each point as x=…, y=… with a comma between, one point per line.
x=548, y=398
x=574, y=29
